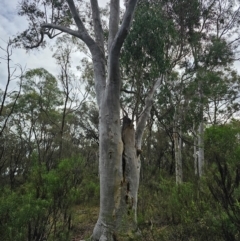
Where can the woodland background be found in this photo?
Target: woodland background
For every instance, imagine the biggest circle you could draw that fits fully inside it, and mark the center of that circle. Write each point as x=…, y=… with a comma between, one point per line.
x=189, y=187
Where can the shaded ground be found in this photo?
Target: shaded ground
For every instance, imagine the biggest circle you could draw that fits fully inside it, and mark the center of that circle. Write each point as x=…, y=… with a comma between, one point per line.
x=84, y=222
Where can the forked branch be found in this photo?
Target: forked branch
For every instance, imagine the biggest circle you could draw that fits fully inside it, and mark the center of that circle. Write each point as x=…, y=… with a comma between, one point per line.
x=124, y=29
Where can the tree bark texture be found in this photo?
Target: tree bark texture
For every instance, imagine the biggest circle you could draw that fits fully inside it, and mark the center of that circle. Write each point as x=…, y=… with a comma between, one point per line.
x=119, y=146
x=119, y=174
x=177, y=151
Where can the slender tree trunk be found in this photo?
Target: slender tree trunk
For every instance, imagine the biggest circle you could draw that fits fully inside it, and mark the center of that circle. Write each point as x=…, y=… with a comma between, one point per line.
x=178, y=151
x=180, y=156
x=200, y=149
x=200, y=128
x=195, y=155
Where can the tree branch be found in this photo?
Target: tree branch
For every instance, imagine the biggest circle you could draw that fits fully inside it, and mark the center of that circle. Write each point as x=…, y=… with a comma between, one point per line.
x=145, y=113
x=124, y=29
x=82, y=32
x=61, y=28
x=42, y=32
x=15, y=101
x=113, y=21
x=9, y=53
x=98, y=57
x=128, y=91
x=97, y=24
x=114, y=49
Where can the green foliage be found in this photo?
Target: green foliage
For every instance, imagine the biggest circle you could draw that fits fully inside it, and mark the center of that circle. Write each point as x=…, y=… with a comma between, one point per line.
x=180, y=212
x=151, y=35
x=197, y=210
x=218, y=53
x=194, y=210
x=90, y=190
x=42, y=206
x=222, y=154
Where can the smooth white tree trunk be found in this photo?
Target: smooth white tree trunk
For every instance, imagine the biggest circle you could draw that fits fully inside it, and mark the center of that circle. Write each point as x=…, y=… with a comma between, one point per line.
x=119, y=146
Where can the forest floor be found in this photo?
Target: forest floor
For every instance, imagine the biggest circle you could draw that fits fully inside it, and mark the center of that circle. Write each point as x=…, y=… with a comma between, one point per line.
x=86, y=217
x=84, y=221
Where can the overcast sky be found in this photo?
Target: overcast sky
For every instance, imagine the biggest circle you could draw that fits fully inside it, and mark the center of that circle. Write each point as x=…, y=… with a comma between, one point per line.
x=10, y=25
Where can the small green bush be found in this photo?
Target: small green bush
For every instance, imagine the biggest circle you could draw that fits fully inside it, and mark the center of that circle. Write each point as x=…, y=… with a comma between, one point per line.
x=42, y=206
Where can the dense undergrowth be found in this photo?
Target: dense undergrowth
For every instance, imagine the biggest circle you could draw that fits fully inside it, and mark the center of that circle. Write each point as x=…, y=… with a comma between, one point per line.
x=62, y=203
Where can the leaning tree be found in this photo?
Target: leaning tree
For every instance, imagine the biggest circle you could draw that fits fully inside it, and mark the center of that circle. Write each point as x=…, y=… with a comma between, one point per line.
x=119, y=144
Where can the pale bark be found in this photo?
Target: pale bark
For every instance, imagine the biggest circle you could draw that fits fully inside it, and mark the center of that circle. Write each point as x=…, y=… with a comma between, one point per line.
x=119, y=148
x=145, y=113
x=115, y=181
x=131, y=170
x=177, y=150
x=138, y=140
x=113, y=21
x=97, y=25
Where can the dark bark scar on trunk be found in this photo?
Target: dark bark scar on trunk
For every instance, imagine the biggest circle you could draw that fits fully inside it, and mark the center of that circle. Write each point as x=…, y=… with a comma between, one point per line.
x=126, y=125
x=123, y=167
x=128, y=159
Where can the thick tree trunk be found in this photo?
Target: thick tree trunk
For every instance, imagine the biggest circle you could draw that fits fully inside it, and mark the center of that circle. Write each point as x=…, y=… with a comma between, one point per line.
x=119, y=147
x=119, y=178
x=119, y=166
x=110, y=167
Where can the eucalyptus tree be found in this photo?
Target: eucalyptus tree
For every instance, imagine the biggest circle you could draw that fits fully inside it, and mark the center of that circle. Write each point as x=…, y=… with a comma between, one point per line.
x=212, y=31
x=119, y=148
x=221, y=96
x=28, y=126
x=189, y=35
x=36, y=117
x=155, y=47
x=222, y=154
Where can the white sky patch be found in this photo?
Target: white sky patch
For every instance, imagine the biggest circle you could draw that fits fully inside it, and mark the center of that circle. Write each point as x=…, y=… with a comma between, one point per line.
x=10, y=25
x=237, y=65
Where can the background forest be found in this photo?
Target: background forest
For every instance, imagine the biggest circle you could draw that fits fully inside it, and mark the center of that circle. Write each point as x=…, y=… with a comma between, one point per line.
x=190, y=168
